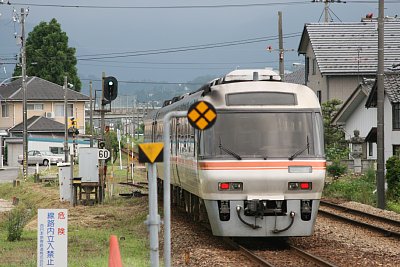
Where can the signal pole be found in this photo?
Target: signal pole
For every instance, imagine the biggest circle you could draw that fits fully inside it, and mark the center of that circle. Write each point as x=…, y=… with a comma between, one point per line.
x=102, y=129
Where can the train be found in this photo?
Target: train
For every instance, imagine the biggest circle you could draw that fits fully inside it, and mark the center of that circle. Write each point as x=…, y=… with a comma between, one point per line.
x=259, y=170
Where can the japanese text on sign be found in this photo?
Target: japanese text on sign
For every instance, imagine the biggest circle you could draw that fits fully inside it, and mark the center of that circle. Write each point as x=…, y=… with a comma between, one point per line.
x=52, y=242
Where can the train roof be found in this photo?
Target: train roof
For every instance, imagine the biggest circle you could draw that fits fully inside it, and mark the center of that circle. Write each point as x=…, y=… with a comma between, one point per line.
x=256, y=80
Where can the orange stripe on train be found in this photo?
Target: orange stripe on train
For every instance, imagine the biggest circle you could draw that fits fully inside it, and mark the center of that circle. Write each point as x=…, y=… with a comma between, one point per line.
x=275, y=165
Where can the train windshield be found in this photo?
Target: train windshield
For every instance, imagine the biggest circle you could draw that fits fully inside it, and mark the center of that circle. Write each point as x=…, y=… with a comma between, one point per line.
x=264, y=135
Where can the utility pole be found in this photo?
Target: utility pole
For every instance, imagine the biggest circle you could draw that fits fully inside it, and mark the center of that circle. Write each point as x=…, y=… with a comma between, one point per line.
x=91, y=114
x=281, y=51
x=326, y=8
x=66, y=158
x=24, y=108
x=380, y=174
x=326, y=11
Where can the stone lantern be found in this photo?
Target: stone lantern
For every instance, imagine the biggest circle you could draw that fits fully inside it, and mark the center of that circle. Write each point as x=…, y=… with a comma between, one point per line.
x=356, y=150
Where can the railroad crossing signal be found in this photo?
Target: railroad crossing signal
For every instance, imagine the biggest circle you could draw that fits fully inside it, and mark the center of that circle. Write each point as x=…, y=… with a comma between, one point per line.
x=202, y=115
x=110, y=84
x=151, y=152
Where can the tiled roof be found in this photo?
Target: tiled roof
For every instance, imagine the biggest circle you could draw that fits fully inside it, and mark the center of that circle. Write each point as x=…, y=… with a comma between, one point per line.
x=297, y=76
x=392, y=86
x=354, y=100
x=38, y=89
x=40, y=124
x=351, y=47
x=392, y=89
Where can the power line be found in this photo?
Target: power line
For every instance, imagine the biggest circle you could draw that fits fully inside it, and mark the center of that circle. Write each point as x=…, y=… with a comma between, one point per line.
x=179, y=49
x=256, y=39
x=279, y=3
x=147, y=82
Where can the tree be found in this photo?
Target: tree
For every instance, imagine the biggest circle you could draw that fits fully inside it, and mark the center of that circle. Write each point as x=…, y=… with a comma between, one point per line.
x=335, y=144
x=48, y=55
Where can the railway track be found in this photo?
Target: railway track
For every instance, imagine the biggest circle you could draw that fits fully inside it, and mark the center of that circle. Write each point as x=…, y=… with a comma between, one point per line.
x=293, y=253
x=385, y=226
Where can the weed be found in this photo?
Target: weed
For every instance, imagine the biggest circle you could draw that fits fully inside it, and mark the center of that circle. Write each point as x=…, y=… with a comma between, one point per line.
x=354, y=187
x=17, y=219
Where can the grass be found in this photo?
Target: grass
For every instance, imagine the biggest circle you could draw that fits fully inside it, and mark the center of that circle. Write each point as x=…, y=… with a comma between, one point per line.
x=358, y=188
x=89, y=227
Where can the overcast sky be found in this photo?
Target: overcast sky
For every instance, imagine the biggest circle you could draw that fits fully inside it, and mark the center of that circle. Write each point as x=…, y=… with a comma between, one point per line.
x=109, y=27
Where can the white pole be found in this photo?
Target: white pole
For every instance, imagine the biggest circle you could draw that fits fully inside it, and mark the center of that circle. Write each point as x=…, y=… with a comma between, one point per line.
x=153, y=220
x=167, y=181
x=133, y=165
x=119, y=147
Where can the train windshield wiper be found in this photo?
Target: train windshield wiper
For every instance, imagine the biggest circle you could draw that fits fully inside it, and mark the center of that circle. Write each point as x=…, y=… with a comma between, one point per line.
x=230, y=152
x=301, y=150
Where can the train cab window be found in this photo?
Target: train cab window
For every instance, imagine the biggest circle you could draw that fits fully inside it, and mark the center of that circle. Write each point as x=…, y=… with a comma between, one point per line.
x=264, y=135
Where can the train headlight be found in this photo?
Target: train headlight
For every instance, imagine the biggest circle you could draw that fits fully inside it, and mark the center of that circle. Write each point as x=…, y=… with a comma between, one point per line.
x=300, y=185
x=230, y=186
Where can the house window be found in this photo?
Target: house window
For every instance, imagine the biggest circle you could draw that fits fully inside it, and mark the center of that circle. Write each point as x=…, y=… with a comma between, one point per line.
x=396, y=116
x=396, y=150
x=307, y=68
x=59, y=110
x=34, y=106
x=319, y=95
x=56, y=150
x=4, y=110
x=314, y=66
x=370, y=149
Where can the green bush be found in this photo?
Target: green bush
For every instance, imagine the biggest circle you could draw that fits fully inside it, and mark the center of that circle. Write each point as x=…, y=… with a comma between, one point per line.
x=336, y=168
x=393, y=177
x=17, y=219
x=354, y=188
x=393, y=206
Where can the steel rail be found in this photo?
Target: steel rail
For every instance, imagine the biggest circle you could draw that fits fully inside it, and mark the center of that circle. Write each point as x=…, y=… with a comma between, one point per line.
x=309, y=257
x=385, y=232
x=248, y=254
x=263, y=262
x=361, y=213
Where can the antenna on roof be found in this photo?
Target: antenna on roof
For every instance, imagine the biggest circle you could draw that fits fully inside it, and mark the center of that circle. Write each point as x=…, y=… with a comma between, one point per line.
x=327, y=9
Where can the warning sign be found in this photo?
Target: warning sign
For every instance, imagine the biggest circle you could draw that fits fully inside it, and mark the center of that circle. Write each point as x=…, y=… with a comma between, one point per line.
x=151, y=152
x=202, y=115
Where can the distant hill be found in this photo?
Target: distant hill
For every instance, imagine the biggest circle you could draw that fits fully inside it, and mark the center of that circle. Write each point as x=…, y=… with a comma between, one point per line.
x=147, y=91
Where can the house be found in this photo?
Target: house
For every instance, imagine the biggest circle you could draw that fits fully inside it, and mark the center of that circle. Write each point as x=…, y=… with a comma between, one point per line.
x=44, y=99
x=44, y=134
x=359, y=113
x=339, y=55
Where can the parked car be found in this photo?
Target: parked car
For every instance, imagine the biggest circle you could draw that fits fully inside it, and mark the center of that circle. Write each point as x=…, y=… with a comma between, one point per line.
x=42, y=157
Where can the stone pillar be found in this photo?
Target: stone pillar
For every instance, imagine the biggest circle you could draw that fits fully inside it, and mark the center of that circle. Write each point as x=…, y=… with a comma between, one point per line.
x=356, y=150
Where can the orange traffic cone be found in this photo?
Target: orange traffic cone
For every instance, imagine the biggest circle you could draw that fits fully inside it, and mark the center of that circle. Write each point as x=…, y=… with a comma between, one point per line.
x=114, y=259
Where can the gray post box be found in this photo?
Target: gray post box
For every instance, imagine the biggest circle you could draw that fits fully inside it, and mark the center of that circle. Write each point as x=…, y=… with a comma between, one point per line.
x=65, y=180
x=89, y=164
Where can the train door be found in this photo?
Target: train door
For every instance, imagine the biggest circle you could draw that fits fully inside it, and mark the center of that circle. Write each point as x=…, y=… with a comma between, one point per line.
x=174, y=150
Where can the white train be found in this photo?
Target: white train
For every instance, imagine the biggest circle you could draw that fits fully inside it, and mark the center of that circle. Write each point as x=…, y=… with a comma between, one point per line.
x=259, y=171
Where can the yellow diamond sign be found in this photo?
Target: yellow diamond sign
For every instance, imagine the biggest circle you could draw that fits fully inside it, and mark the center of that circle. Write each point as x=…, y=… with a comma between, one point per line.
x=151, y=152
x=202, y=115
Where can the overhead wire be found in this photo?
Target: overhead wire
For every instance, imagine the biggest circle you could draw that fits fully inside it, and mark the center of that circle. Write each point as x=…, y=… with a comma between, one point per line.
x=278, y=3
x=179, y=49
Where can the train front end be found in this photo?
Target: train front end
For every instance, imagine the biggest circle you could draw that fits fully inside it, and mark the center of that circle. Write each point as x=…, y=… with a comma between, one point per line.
x=262, y=165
